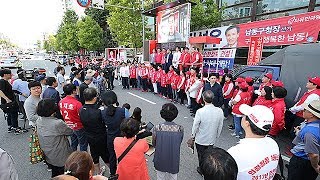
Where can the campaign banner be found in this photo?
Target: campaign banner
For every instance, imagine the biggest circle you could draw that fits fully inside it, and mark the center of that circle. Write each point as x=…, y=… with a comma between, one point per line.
x=173, y=25
x=255, y=50
x=295, y=29
x=217, y=59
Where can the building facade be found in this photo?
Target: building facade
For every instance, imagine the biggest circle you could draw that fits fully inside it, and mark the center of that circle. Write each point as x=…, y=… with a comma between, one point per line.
x=243, y=11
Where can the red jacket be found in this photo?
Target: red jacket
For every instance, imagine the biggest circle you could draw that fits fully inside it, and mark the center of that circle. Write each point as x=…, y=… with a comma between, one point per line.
x=186, y=59
x=144, y=73
x=262, y=85
x=279, y=109
x=175, y=81
x=182, y=82
x=169, y=75
x=225, y=88
x=159, y=73
x=262, y=101
x=133, y=72
x=245, y=97
x=163, y=79
x=69, y=109
x=158, y=58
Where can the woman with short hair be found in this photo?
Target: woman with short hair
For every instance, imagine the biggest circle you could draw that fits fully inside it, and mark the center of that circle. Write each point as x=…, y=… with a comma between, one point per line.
x=133, y=165
x=53, y=134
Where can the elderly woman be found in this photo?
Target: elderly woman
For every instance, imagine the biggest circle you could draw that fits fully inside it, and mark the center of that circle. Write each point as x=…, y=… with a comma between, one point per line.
x=133, y=165
x=53, y=134
x=167, y=138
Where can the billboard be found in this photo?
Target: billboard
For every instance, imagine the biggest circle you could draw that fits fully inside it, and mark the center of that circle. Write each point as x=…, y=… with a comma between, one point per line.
x=217, y=59
x=255, y=50
x=173, y=25
x=295, y=29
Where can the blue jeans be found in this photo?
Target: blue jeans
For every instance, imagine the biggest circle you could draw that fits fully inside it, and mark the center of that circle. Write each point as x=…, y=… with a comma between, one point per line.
x=237, y=125
x=78, y=137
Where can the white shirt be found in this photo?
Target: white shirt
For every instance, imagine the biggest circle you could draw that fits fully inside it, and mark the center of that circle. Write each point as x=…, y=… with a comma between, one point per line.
x=175, y=60
x=310, y=98
x=124, y=71
x=193, y=91
x=60, y=80
x=207, y=125
x=256, y=157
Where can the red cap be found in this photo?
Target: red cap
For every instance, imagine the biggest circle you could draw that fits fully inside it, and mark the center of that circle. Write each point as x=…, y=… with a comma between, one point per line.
x=268, y=75
x=249, y=79
x=240, y=80
x=315, y=80
x=277, y=84
x=243, y=85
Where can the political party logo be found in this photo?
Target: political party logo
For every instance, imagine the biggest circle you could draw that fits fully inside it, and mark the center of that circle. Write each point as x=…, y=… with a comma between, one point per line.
x=84, y=3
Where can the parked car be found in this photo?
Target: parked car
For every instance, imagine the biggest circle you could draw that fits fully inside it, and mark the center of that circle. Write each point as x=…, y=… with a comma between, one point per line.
x=31, y=74
x=8, y=62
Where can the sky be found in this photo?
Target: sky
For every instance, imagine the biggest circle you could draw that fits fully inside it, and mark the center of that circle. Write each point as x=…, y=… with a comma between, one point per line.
x=26, y=21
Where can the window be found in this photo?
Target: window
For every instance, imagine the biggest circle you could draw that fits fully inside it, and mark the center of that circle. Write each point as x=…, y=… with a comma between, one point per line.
x=255, y=74
x=243, y=10
x=233, y=22
x=287, y=13
x=267, y=6
x=232, y=2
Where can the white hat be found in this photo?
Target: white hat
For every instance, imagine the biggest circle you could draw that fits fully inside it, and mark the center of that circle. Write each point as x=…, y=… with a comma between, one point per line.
x=313, y=107
x=259, y=115
x=91, y=72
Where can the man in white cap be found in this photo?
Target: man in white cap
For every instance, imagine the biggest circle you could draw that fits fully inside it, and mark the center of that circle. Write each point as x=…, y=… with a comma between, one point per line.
x=256, y=155
x=304, y=164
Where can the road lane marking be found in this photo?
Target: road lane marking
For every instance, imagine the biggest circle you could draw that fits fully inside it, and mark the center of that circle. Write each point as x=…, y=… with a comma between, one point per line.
x=141, y=98
x=286, y=158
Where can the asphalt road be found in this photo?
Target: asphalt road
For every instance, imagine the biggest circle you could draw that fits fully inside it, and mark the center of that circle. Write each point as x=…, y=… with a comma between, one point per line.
x=18, y=145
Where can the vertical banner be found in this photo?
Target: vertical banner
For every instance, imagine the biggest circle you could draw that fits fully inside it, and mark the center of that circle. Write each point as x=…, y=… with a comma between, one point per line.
x=255, y=50
x=218, y=59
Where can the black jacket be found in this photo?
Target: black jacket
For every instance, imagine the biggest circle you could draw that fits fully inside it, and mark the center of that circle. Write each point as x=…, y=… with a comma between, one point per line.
x=217, y=91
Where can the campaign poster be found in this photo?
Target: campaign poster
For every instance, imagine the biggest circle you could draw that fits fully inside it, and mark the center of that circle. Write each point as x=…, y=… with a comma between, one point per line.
x=215, y=60
x=173, y=25
x=295, y=29
x=255, y=50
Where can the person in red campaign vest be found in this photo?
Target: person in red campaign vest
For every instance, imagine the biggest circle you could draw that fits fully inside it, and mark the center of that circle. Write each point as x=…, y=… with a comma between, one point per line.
x=181, y=87
x=266, y=81
x=312, y=94
x=186, y=59
x=266, y=97
x=133, y=76
x=278, y=109
x=227, y=91
x=249, y=80
x=242, y=97
x=236, y=91
x=158, y=57
x=159, y=74
x=152, y=76
x=174, y=85
x=144, y=77
x=163, y=84
x=193, y=91
x=169, y=79
x=196, y=58
x=190, y=79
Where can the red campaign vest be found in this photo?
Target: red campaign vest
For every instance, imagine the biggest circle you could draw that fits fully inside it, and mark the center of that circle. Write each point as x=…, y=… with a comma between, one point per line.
x=158, y=75
x=235, y=92
x=181, y=57
x=186, y=58
x=225, y=88
x=174, y=82
x=250, y=91
x=190, y=82
x=193, y=57
x=144, y=72
x=262, y=85
x=245, y=97
x=262, y=101
x=194, y=60
x=169, y=75
x=304, y=97
x=163, y=80
x=152, y=76
x=133, y=73
x=183, y=86
x=158, y=58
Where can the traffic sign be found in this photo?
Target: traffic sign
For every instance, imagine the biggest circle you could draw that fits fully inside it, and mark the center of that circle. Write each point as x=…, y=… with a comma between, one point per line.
x=84, y=3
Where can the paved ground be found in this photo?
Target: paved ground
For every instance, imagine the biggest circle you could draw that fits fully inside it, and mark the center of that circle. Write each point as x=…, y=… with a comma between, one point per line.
x=18, y=147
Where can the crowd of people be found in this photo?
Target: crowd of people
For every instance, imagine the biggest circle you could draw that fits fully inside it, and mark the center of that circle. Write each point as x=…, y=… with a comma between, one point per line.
x=71, y=115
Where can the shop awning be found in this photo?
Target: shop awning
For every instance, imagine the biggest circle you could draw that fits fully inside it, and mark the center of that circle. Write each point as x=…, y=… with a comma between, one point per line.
x=204, y=40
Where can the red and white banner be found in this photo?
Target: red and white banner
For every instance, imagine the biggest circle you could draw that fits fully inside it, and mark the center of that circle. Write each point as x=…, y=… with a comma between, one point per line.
x=255, y=50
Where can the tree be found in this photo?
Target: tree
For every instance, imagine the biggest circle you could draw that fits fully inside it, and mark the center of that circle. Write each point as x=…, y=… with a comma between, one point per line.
x=126, y=24
x=38, y=44
x=50, y=43
x=100, y=17
x=206, y=14
x=89, y=34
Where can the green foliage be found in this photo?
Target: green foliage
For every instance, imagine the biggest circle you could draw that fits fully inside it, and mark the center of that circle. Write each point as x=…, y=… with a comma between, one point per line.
x=100, y=16
x=90, y=34
x=70, y=17
x=126, y=24
x=38, y=44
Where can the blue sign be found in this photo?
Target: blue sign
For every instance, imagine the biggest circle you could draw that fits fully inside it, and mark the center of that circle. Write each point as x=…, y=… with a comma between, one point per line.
x=84, y=3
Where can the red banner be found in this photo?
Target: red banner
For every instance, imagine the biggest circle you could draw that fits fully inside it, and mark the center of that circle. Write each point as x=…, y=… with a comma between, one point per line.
x=296, y=29
x=255, y=50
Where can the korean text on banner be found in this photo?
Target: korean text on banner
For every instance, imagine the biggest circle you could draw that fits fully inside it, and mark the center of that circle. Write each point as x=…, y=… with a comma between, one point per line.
x=296, y=29
x=255, y=50
x=218, y=59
